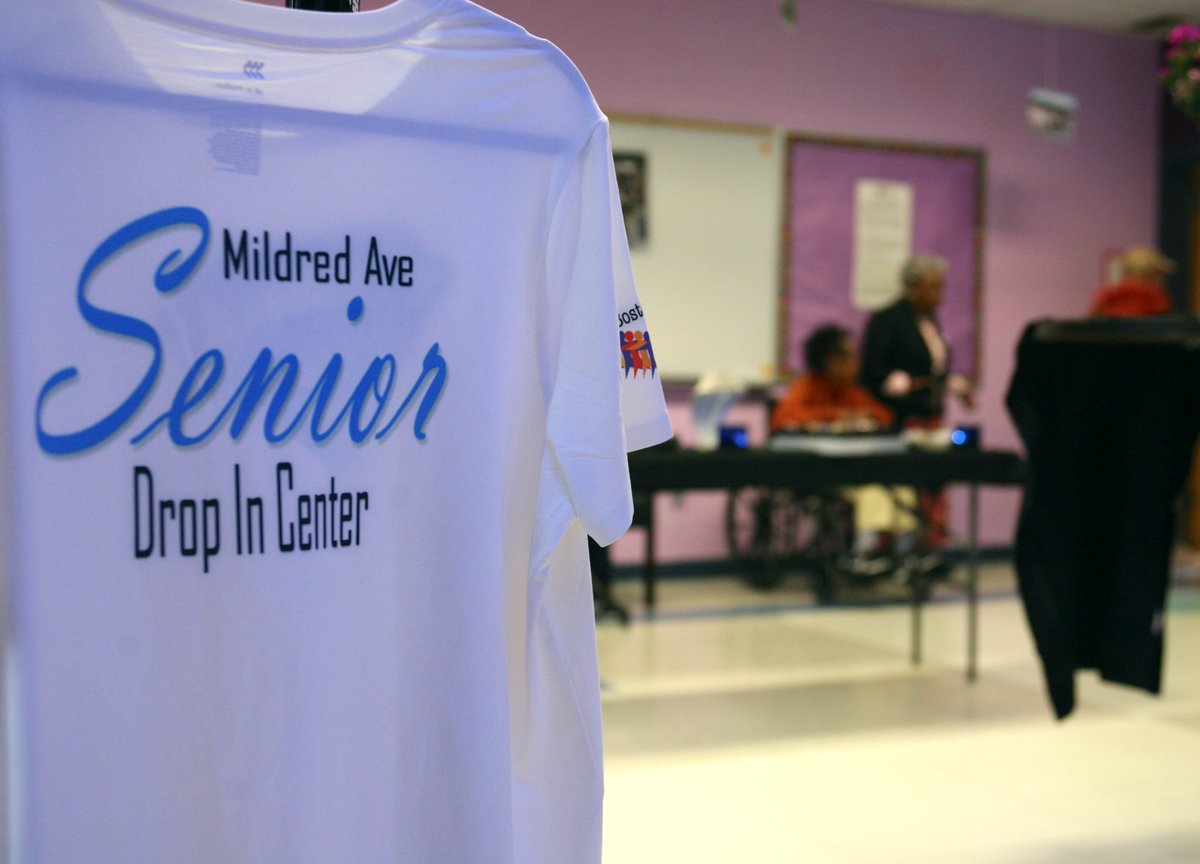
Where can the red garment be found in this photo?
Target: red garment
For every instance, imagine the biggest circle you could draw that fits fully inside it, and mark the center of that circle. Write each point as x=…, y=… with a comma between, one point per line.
x=816, y=399
x=1131, y=298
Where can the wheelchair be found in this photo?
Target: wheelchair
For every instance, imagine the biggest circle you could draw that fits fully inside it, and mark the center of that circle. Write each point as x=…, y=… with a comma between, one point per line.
x=772, y=532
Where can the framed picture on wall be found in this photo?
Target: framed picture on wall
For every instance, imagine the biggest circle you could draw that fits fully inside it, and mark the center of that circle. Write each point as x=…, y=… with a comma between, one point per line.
x=855, y=210
x=631, y=185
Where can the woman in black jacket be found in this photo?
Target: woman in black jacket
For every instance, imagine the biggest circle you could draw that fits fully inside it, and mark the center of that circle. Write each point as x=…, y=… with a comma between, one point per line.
x=906, y=361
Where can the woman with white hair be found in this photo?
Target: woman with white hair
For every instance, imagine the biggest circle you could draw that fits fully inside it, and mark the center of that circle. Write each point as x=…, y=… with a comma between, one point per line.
x=906, y=365
x=906, y=360
x=1140, y=290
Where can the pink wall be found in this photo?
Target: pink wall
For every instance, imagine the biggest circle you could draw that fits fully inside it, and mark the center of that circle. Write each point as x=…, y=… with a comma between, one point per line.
x=882, y=70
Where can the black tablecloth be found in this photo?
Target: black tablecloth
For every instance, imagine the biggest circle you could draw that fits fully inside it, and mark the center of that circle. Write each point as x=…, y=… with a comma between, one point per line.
x=667, y=469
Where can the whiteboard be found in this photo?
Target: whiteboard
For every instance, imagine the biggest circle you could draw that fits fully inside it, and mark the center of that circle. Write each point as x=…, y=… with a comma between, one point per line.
x=708, y=271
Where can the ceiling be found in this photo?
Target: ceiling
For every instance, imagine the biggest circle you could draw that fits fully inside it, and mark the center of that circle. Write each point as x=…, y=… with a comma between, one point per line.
x=1146, y=17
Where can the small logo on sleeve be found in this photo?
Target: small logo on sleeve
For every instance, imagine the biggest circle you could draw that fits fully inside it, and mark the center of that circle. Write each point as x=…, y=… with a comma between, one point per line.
x=637, y=355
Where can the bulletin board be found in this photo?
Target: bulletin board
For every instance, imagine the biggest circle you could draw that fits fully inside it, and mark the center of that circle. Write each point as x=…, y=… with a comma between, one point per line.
x=705, y=209
x=854, y=210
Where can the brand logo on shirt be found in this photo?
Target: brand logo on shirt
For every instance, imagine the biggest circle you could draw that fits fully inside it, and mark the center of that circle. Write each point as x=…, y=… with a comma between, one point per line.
x=637, y=355
x=254, y=69
x=627, y=317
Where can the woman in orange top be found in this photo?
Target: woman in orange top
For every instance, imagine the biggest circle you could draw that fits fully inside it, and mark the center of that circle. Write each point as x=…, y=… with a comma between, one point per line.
x=829, y=395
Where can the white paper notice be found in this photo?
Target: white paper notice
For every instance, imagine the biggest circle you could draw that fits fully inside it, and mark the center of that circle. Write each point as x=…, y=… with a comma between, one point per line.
x=883, y=212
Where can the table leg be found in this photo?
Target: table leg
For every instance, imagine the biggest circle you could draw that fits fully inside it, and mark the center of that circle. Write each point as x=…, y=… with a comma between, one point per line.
x=918, y=584
x=973, y=582
x=651, y=573
x=917, y=588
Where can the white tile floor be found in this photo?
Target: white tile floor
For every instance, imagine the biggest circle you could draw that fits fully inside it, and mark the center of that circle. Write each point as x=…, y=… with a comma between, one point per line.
x=743, y=727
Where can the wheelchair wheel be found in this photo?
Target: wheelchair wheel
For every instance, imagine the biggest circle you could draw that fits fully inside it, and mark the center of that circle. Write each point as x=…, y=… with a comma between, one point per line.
x=762, y=527
x=830, y=539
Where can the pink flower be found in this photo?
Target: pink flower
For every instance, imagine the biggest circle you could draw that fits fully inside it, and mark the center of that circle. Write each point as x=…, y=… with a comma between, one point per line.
x=1183, y=33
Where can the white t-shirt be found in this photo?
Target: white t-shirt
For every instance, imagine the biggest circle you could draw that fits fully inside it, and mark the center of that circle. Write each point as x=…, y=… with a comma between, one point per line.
x=314, y=383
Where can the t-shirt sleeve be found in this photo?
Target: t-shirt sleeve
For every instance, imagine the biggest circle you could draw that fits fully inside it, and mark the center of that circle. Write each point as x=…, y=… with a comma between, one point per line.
x=605, y=396
x=643, y=408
